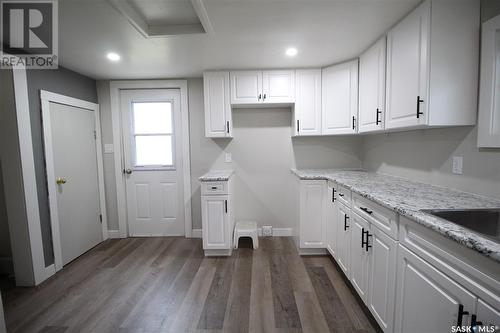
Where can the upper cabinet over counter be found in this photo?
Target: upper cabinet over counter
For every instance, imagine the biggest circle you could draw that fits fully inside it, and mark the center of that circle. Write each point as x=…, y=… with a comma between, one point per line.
x=424, y=74
x=432, y=66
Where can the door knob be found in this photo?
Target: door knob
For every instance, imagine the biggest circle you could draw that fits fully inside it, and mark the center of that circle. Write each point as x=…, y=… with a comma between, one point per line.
x=60, y=181
x=128, y=171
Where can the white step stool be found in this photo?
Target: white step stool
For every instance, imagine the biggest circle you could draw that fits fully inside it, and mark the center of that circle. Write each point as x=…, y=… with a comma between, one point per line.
x=246, y=229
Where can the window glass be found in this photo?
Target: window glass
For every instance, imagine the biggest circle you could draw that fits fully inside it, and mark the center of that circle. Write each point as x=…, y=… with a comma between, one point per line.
x=151, y=150
x=152, y=117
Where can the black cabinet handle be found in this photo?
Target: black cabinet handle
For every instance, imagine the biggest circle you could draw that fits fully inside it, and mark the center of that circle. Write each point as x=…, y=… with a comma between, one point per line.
x=341, y=195
x=333, y=195
x=298, y=127
x=364, y=243
x=367, y=243
x=362, y=237
x=353, y=122
x=377, y=121
x=225, y=204
x=366, y=210
x=460, y=315
x=227, y=126
x=214, y=187
x=418, y=106
x=345, y=222
x=264, y=97
x=260, y=96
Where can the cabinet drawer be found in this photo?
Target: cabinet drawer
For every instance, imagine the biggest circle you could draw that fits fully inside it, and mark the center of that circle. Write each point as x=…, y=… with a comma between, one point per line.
x=344, y=195
x=472, y=270
x=213, y=188
x=383, y=218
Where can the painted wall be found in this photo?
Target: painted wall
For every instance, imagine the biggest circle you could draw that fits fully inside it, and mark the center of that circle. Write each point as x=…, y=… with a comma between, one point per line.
x=62, y=81
x=262, y=152
x=5, y=251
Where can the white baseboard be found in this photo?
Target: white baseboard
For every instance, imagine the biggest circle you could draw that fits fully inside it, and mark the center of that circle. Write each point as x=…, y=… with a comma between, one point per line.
x=114, y=234
x=196, y=233
x=277, y=232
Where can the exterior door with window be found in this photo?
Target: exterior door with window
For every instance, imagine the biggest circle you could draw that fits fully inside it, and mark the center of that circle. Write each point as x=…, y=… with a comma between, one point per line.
x=153, y=161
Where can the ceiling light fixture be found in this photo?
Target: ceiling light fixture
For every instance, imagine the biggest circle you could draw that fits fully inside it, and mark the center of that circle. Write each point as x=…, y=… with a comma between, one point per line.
x=291, y=52
x=113, y=56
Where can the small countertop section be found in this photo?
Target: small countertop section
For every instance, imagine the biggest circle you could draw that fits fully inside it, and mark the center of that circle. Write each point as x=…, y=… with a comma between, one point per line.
x=408, y=198
x=216, y=175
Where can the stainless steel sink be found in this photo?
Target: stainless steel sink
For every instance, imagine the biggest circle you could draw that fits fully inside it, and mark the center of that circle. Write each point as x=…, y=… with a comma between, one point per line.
x=483, y=221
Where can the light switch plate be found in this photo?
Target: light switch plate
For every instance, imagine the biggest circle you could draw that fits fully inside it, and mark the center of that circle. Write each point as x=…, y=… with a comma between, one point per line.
x=229, y=158
x=457, y=165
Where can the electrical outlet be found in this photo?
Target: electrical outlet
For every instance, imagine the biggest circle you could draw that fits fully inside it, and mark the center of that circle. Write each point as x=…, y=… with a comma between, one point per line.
x=229, y=158
x=457, y=165
x=267, y=230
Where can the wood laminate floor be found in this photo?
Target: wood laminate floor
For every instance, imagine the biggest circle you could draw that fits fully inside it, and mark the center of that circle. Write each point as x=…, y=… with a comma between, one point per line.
x=167, y=285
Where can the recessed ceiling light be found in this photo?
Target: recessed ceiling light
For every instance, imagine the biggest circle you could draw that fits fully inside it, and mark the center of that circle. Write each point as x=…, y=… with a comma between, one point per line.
x=291, y=52
x=113, y=56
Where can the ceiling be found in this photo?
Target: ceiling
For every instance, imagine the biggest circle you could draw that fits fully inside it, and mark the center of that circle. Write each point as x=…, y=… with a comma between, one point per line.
x=245, y=34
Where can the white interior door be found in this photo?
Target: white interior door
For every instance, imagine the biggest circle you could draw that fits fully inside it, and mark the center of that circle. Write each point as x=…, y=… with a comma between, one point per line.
x=151, y=124
x=75, y=168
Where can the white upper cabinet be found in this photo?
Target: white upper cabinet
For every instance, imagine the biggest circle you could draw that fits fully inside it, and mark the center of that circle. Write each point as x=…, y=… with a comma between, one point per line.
x=262, y=87
x=372, y=88
x=339, y=95
x=432, y=60
x=489, y=92
x=218, y=123
x=246, y=87
x=278, y=86
x=307, y=119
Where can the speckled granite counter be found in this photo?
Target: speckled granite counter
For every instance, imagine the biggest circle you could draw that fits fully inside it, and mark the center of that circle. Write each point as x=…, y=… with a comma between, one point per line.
x=408, y=198
x=216, y=175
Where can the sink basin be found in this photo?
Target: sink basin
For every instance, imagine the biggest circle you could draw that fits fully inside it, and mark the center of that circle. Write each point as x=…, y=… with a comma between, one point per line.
x=483, y=221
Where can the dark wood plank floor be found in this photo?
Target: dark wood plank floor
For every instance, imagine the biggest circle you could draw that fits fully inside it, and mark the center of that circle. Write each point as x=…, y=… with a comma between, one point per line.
x=167, y=285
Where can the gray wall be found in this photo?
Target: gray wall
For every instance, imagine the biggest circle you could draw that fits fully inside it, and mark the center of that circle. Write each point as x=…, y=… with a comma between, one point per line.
x=5, y=251
x=62, y=81
x=262, y=151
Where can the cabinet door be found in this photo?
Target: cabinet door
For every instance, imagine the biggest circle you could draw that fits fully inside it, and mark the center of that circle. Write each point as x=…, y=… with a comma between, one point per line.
x=215, y=222
x=487, y=314
x=218, y=122
x=331, y=221
x=407, y=70
x=382, y=279
x=339, y=94
x=307, y=102
x=426, y=299
x=343, y=238
x=360, y=256
x=278, y=86
x=372, y=88
x=312, y=217
x=246, y=87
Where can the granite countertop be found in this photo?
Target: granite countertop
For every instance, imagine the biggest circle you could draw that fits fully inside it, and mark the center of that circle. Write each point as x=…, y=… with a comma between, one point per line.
x=216, y=175
x=408, y=198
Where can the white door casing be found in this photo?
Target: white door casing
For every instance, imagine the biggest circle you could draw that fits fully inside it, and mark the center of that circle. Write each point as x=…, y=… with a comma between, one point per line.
x=153, y=177
x=71, y=128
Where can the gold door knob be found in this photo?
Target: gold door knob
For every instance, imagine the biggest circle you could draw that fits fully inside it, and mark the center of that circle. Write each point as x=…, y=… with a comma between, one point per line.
x=60, y=181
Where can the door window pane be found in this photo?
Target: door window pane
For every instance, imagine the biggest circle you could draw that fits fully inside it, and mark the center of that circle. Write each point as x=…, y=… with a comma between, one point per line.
x=151, y=150
x=152, y=117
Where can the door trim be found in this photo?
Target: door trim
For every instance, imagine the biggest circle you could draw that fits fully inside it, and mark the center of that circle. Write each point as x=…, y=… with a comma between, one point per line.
x=121, y=201
x=46, y=98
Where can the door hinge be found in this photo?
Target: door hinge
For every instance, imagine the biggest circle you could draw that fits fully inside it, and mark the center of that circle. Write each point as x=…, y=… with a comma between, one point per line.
x=100, y=218
x=95, y=135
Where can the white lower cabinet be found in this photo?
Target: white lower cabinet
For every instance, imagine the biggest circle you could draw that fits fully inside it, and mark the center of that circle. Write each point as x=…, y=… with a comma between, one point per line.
x=381, y=291
x=331, y=221
x=360, y=255
x=312, y=224
x=428, y=300
x=217, y=223
x=343, y=238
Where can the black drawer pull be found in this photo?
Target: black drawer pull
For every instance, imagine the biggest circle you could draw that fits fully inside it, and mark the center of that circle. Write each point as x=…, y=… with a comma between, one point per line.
x=341, y=195
x=345, y=222
x=214, y=187
x=366, y=210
